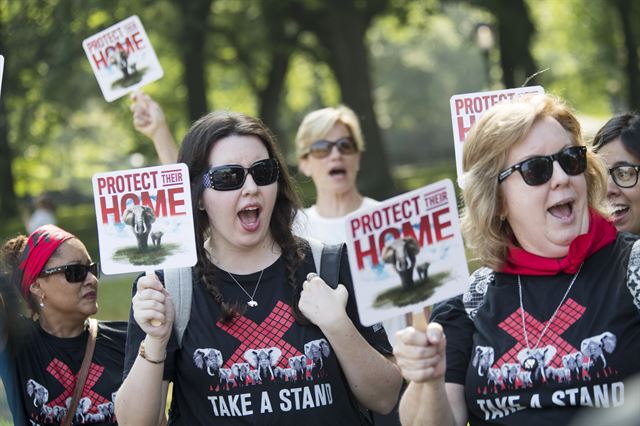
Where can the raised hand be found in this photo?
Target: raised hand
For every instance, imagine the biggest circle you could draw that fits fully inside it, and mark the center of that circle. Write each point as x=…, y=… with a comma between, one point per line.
x=148, y=117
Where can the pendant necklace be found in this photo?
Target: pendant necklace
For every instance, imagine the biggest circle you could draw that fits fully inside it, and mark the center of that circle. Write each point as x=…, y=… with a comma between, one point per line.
x=531, y=363
x=252, y=303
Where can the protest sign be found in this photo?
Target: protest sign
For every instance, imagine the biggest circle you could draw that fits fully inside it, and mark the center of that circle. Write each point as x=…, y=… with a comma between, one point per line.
x=1, y=71
x=406, y=253
x=122, y=58
x=145, y=219
x=469, y=107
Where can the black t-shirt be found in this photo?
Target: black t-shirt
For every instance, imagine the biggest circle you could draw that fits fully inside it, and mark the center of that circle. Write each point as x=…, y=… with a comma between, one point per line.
x=589, y=348
x=262, y=367
x=47, y=367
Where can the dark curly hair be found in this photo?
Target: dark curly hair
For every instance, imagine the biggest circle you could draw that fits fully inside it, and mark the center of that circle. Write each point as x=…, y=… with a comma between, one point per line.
x=194, y=152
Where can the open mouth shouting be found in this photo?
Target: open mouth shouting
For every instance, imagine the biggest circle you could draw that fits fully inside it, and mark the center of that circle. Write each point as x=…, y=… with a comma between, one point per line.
x=562, y=210
x=249, y=217
x=338, y=171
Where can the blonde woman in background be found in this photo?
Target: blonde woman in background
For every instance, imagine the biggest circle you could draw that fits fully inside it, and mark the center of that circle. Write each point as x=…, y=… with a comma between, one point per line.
x=329, y=145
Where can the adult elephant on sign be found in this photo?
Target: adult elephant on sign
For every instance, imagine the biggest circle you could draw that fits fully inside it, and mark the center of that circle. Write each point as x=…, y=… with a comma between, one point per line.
x=140, y=218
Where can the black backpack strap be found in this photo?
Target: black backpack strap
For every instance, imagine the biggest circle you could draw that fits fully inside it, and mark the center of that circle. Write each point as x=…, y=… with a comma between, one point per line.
x=330, y=264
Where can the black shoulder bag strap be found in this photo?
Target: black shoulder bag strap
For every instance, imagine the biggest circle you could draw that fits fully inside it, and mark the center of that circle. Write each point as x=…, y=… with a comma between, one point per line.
x=330, y=264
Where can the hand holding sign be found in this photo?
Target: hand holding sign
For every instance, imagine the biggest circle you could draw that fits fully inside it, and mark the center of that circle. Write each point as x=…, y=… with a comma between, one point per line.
x=145, y=223
x=152, y=305
x=421, y=356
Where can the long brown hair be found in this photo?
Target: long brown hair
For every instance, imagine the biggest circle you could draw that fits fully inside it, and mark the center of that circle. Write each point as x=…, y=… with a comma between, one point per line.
x=194, y=152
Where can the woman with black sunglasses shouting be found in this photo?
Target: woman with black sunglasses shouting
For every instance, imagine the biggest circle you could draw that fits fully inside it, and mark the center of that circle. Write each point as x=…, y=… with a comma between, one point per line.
x=618, y=143
x=267, y=341
x=53, y=272
x=551, y=322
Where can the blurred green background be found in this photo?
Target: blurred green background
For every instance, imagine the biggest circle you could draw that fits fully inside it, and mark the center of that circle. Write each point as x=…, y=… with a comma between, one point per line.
x=395, y=62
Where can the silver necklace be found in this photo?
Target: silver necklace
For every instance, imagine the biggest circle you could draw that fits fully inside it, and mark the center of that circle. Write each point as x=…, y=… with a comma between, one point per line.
x=252, y=303
x=546, y=327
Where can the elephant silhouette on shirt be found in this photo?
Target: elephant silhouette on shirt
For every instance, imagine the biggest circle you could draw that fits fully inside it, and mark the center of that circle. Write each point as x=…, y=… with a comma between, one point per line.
x=595, y=347
x=39, y=393
x=241, y=373
x=140, y=218
x=483, y=359
x=316, y=350
x=211, y=359
x=299, y=366
x=264, y=360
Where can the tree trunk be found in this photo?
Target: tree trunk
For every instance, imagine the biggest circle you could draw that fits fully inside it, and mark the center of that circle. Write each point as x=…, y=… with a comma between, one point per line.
x=270, y=96
x=631, y=49
x=342, y=32
x=515, y=31
x=8, y=199
x=195, y=14
x=282, y=42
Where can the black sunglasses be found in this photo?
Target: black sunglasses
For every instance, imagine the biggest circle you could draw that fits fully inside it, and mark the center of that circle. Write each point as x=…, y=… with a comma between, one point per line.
x=322, y=148
x=538, y=170
x=625, y=176
x=232, y=176
x=74, y=273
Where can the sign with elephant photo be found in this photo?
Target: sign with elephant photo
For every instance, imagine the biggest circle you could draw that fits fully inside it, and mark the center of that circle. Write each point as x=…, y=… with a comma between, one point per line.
x=122, y=58
x=407, y=253
x=145, y=219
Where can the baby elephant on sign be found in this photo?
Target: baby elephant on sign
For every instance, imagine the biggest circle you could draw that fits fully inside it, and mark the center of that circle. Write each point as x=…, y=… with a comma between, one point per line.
x=156, y=237
x=401, y=253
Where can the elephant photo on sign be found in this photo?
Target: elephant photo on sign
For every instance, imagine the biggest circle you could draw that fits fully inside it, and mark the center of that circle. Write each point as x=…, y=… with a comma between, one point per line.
x=401, y=253
x=140, y=218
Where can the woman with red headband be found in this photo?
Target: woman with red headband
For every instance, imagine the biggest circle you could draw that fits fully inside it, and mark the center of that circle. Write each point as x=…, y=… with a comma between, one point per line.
x=56, y=277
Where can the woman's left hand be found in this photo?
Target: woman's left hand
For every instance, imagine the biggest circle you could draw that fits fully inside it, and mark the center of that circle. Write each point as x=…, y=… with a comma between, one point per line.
x=321, y=304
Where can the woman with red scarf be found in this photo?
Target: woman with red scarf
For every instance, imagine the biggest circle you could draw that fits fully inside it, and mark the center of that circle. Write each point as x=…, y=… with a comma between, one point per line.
x=54, y=274
x=551, y=322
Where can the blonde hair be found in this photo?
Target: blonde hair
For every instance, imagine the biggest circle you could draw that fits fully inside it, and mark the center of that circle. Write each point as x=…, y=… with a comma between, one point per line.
x=317, y=124
x=484, y=156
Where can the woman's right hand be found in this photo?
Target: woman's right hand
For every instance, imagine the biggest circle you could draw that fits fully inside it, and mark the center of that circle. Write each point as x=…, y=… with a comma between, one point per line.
x=420, y=355
x=153, y=308
x=148, y=117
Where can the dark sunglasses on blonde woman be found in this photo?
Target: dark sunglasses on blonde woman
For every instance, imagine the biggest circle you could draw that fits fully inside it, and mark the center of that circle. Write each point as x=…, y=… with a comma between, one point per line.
x=233, y=176
x=74, y=273
x=538, y=170
x=322, y=148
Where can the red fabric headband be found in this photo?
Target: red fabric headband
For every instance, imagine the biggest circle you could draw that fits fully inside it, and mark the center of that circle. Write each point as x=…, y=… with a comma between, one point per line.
x=42, y=243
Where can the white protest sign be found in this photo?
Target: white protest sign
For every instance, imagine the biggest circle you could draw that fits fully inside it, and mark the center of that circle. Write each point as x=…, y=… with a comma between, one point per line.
x=122, y=58
x=145, y=219
x=406, y=253
x=469, y=107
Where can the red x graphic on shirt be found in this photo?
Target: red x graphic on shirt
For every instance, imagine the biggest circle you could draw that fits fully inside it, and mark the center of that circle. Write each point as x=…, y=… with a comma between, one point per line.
x=267, y=334
x=569, y=313
x=65, y=376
